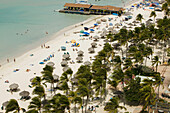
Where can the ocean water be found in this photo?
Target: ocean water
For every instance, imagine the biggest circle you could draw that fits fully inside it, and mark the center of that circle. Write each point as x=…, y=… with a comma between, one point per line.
x=24, y=23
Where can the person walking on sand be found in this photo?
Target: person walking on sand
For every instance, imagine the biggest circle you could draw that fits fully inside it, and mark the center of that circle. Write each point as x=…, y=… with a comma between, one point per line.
x=14, y=60
x=44, y=45
x=8, y=60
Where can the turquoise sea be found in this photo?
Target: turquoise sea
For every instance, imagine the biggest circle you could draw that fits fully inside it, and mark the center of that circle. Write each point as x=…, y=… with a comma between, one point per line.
x=23, y=23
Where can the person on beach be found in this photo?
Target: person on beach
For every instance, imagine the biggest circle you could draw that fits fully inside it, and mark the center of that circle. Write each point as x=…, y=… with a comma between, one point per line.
x=8, y=60
x=44, y=45
x=41, y=46
x=14, y=60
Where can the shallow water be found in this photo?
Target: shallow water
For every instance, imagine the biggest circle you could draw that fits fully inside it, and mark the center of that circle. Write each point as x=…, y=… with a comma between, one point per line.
x=24, y=23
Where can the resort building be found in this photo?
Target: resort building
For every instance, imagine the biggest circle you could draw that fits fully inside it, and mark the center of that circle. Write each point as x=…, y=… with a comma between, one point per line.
x=91, y=9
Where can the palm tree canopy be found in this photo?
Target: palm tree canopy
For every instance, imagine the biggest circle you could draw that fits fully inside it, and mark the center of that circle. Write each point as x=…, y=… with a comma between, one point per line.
x=12, y=106
x=35, y=103
x=153, y=13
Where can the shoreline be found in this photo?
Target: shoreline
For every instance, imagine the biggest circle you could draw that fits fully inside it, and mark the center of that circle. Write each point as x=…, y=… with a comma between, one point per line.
x=55, y=35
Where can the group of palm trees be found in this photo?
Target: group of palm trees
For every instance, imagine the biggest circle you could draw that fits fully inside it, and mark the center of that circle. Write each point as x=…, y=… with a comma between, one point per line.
x=108, y=68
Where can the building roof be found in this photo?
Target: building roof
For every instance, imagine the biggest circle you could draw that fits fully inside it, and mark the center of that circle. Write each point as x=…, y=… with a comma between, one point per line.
x=108, y=7
x=77, y=5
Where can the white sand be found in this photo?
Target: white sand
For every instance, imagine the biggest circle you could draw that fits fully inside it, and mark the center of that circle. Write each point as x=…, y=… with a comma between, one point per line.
x=24, y=62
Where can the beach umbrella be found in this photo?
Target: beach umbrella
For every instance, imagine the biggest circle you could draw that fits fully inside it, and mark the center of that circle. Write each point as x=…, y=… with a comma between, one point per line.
x=66, y=68
x=86, y=28
x=104, y=29
x=91, y=49
x=93, y=44
x=5, y=103
x=117, y=24
x=41, y=63
x=106, y=40
x=115, y=14
x=134, y=21
x=24, y=93
x=103, y=20
x=103, y=35
x=66, y=56
x=110, y=24
x=130, y=24
x=50, y=64
x=87, y=63
x=128, y=13
x=13, y=86
x=98, y=22
x=91, y=29
x=124, y=27
x=150, y=20
x=79, y=58
x=80, y=52
x=96, y=38
x=56, y=77
x=74, y=80
x=86, y=33
x=82, y=31
x=63, y=63
x=110, y=28
x=73, y=41
x=95, y=24
x=114, y=32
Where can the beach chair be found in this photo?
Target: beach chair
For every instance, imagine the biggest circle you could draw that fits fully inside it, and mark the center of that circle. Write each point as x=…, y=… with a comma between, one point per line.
x=68, y=53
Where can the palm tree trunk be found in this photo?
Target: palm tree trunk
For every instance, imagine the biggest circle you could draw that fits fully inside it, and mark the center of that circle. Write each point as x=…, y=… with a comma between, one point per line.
x=158, y=91
x=75, y=108
x=86, y=103
x=145, y=61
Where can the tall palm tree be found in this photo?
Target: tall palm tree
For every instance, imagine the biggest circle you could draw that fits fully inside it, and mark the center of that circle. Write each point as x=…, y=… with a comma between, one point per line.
x=156, y=62
x=113, y=105
x=12, y=106
x=48, y=76
x=58, y=104
x=35, y=104
x=139, y=17
x=74, y=98
x=40, y=91
x=165, y=8
x=147, y=96
x=153, y=13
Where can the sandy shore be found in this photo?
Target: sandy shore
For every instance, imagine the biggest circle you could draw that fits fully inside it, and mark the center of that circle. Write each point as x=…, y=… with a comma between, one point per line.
x=26, y=61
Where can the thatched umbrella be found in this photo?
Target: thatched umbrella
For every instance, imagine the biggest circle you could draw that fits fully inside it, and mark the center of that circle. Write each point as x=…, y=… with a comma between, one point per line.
x=13, y=86
x=50, y=64
x=128, y=14
x=110, y=28
x=130, y=24
x=31, y=79
x=79, y=58
x=117, y=24
x=64, y=63
x=5, y=103
x=114, y=32
x=66, y=68
x=24, y=93
x=124, y=27
x=91, y=50
x=80, y=53
x=56, y=77
x=105, y=31
x=134, y=21
x=88, y=63
x=93, y=44
x=103, y=20
x=106, y=40
x=98, y=22
x=96, y=38
x=66, y=56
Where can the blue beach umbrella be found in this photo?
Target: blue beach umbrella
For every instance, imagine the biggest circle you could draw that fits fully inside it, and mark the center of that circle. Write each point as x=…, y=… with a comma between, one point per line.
x=132, y=6
x=110, y=24
x=96, y=24
x=41, y=63
x=91, y=29
x=86, y=33
x=115, y=14
x=45, y=59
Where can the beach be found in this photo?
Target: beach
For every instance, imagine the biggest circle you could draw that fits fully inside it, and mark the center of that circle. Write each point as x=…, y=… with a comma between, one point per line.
x=30, y=60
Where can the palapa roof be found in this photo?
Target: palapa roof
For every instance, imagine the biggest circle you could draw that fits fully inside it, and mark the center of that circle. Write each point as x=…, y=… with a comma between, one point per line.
x=77, y=5
x=108, y=7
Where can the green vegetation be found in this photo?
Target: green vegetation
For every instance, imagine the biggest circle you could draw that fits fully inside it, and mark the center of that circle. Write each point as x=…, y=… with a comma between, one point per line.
x=107, y=69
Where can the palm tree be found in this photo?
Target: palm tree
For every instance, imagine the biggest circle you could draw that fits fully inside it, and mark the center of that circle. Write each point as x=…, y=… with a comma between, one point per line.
x=40, y=91
x=35, y=104
x=37, y=81
x=74, y=98
x=12, y=106
x=147, y=96
x=113, y=105
x=153, y=13
x=156, y=62
x=165, y=8
x=48, y=76
x=58, y=104
x=139, y=17
x=32, y=111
